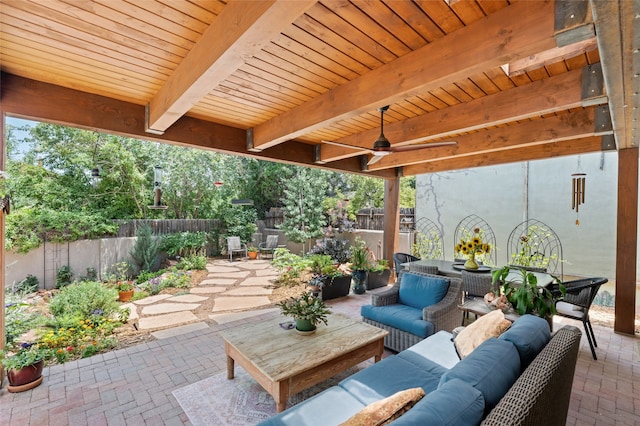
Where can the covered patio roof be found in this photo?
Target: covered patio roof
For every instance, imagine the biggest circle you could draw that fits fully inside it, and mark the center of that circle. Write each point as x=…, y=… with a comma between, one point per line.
x=302, y=81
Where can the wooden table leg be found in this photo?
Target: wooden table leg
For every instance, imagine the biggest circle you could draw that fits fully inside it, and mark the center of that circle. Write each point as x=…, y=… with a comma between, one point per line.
x=378, y=356
x=281, y=395
x=230, y=365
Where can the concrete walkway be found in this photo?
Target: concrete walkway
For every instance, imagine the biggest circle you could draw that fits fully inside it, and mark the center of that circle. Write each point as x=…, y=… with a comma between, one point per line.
x=237, y=290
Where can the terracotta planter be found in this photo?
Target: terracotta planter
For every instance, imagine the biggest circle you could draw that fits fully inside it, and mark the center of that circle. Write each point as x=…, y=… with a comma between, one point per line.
x=26, y=378
x=252, y=254
x=125, y=296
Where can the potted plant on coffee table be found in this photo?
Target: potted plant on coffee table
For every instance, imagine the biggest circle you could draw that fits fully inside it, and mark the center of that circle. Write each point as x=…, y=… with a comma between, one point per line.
x=24, y=366
x=307, y=311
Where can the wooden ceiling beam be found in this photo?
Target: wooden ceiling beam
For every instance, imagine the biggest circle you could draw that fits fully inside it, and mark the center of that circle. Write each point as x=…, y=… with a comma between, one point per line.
x=240, y=31
x=574, y=125
x=529, y=153
x=541, y=97
x=30, y=99
x=513, y=32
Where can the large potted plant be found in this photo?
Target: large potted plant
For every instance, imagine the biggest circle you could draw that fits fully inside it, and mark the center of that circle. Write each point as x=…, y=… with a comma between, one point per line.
x=379, y=274
x=24, y=366
x=307, y=310
x=523, y=293
x=333, y=280
x=360, y=256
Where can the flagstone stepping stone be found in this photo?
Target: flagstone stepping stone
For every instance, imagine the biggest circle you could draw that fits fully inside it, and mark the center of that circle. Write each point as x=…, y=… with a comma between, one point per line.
x=207, y=290
x=248, y=291
x=234, y=303
x=240, y=274
x=255, y=281
x=166, y=320
x=181, y=329
x=216, y=269
x=218, y=281
x=163, y=308
x=187, y=298
x=133, y=310
x=266, y=272
x=234, y=316
x=152, y=299
x=255, y=265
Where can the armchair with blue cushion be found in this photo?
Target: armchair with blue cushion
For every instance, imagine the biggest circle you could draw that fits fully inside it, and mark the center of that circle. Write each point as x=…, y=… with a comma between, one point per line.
x=417, y=306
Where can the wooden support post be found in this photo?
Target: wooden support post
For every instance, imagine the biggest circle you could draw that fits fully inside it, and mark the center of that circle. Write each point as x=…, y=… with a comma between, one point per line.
x=391, y=219
x=2, y=254
x=626, y=245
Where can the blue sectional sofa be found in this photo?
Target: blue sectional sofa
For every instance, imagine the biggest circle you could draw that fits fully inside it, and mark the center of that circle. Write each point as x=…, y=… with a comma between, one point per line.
x=523, y=377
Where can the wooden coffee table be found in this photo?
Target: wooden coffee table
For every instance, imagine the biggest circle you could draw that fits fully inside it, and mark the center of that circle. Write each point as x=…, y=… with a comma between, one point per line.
x=285, y=362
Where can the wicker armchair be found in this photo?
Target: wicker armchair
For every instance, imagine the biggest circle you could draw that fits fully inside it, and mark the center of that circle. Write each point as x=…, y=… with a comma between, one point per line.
x=444, y=315
x=475, y=285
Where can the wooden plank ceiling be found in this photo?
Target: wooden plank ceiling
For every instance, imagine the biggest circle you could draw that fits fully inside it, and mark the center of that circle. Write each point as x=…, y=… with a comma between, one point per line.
x=302, y=81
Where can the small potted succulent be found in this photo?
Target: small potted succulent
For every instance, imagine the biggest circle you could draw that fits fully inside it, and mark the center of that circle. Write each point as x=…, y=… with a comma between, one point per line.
x=24, y=366
x=307, y=310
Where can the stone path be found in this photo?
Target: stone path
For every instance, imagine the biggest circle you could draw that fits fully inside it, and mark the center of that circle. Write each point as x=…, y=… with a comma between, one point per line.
x=238, y=290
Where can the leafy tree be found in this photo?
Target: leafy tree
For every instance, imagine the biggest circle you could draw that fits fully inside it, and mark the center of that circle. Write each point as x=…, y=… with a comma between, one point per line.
x=303, y=213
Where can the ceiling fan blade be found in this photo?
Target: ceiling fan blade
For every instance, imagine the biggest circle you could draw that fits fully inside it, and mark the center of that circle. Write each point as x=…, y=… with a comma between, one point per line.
x=422, y=146
x=374, y=159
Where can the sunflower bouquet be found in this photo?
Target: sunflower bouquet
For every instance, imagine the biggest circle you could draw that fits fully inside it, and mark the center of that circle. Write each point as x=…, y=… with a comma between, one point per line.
x=472, y=246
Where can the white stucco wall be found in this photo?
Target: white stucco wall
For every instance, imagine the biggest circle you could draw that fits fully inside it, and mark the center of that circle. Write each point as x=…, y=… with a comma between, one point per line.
x=497, y=194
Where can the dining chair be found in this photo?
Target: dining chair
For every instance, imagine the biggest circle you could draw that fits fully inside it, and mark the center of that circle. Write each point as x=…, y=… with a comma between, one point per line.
x=577, y=302
x=399, y=259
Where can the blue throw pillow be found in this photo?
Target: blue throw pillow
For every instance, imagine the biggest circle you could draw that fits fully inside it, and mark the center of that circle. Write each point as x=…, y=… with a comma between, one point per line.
x=419, y=292
x=492, y=368
x=529, y=334
x=454, y=403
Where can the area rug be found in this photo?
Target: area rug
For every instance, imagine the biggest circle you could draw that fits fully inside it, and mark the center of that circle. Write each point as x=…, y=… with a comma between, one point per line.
x=238, y=402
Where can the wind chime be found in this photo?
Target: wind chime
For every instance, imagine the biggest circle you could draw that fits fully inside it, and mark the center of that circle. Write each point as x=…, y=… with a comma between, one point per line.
x=578, y=181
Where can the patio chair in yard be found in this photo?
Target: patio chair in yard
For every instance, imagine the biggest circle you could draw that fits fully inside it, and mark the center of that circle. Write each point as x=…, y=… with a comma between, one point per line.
x=234, y=245
x=269, y=246
x=576, y=304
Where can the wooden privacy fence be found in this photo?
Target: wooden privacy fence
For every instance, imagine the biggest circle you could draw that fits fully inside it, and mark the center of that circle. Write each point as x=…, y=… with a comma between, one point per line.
x=374, y=219
x=129, y=228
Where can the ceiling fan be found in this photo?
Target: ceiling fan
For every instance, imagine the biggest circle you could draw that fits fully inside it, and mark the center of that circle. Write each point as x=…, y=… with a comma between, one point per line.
x=382, y=147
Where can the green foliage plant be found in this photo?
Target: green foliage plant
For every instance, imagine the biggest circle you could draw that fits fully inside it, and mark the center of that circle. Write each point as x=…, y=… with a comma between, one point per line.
x=427, y=246
x=83, y=298
x=24, y=355
x=531, y=253
x=184, y=244
x=19, y=317
x=193, y=262
x=64, y=276
x=176, y=278
x=360, y=256
x=306, y=307
x=289, y=265
x=145, y=251
x=28, y=285
x=524, y=294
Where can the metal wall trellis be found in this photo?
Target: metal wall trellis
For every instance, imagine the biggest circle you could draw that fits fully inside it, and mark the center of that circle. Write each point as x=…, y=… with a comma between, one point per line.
x=466, y=229
x=427, y=240
x=534, y=245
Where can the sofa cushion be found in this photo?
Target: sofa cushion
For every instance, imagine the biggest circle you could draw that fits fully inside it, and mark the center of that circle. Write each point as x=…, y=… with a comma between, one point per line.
x=386, y=410
x=454, y=403
x=491, y=368
x=389, y=376
x=402, y=317
x=491, y=325
x=419, y=292
x=529, y=334
x=314, y=412
x=437, y=348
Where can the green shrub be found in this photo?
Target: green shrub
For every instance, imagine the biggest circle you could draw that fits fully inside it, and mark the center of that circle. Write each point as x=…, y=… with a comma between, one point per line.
x=18, y=318
x=145, y=250
x=64, y=276
x=147, y=275
x=29, y=285
x=92, y=275
x=183, y=244
x=192, y=262
x=83, y=299
x=176, y=278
